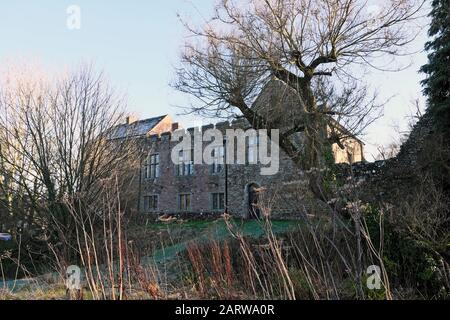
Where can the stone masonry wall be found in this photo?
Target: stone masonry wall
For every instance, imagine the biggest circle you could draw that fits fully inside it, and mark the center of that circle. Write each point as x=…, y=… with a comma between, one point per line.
x=203, y=183
x=388, y=179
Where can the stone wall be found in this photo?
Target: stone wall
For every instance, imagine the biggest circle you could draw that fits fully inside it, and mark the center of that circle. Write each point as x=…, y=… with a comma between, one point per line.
x=388, y=179
x=353, y=151
x=362, y=170
x=276, y=190
x=285, y=193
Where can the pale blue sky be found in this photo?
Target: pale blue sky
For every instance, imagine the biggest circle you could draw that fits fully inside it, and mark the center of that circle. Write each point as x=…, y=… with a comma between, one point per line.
x=137, y=44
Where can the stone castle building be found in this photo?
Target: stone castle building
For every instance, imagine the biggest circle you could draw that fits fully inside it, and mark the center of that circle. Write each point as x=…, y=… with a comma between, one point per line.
x=202, y=190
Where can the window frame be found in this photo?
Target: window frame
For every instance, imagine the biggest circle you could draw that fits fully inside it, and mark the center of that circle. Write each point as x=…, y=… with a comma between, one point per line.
x=218, y=160
x=185, y=168
x=216, y=203
x=252, y=147
x=186, y=205
x=147, y=202
x=152, y=167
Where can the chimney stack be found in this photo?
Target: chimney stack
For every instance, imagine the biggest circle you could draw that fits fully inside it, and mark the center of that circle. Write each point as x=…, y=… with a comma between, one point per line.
x=130, y=119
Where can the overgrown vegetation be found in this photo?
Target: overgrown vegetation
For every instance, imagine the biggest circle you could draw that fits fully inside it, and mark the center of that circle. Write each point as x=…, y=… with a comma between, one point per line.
x=65, y=188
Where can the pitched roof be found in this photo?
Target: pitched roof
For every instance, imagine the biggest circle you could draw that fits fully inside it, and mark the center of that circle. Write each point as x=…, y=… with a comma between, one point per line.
x=283, y=105
x=135, y=129
x=279, y=102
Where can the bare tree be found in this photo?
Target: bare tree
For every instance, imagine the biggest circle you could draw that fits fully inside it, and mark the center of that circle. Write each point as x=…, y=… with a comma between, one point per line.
x=312, y=47
x=55, y=148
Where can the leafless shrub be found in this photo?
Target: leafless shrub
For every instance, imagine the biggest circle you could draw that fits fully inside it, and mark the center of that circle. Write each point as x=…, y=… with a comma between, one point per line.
x=55, y=148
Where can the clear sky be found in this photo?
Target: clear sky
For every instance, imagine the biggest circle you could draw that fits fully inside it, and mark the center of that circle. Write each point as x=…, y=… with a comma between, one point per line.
x=137, y=44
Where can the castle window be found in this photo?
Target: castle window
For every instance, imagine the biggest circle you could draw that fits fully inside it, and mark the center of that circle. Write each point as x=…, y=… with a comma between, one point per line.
x=218, y=160
x=151, y=203
x=184, y=202
x=186, y=163
x=252, y=150
x=152, y=167
x=218, y=201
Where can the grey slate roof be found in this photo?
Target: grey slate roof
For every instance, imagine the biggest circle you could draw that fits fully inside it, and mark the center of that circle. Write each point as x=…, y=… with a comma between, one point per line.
x=137, y=128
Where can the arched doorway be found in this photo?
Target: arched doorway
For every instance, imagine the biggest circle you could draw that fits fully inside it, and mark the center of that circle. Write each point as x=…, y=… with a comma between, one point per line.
x=254, y=211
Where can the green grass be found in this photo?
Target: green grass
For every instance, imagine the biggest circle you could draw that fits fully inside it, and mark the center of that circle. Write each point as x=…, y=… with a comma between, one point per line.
x=185, y=224
x=203, y=230
x=252, y=228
